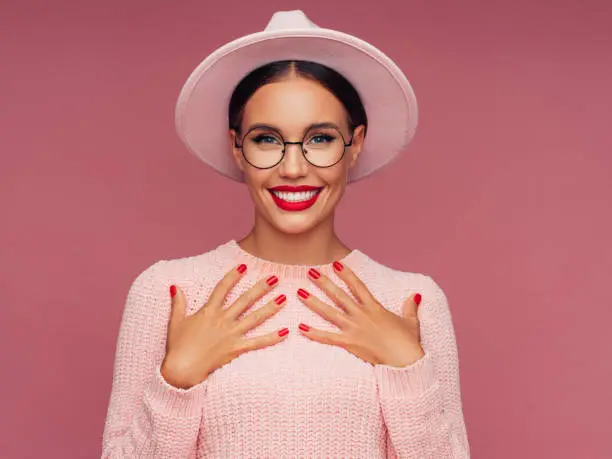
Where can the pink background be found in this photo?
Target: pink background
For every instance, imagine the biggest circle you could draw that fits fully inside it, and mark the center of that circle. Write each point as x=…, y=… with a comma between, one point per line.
x=505, y=199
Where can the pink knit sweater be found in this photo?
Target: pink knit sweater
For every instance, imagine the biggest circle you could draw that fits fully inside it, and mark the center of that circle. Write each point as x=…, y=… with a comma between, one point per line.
x=297, y=398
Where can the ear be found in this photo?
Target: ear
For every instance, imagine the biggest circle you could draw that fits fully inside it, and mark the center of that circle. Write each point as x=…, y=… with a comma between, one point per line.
x=357, y=144
x=236, y=152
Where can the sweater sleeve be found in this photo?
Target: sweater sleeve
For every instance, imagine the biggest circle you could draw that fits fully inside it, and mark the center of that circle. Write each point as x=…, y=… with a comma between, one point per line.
x=421, y=403
x=148, y=417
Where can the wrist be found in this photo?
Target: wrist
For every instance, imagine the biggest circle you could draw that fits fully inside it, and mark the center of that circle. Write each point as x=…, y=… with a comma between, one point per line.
x=405, y=359
x=177, y=376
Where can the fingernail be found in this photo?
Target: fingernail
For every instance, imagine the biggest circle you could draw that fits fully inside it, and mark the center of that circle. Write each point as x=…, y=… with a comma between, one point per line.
x=338, y=266
x=283, y=332
x=314, y=273
x=303, y=293
x=280, y=298
x=272, y=280
x=417, y=298
x=172, y=290
x=241, y=268
x=304, y=327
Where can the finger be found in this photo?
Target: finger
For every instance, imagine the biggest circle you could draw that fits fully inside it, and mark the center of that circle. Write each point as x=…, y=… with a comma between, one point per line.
x=262, y=314
x=354, y=283
x=411, y=305
x=258, y=342
x=339, y=296
x=333, y=315
x=178, y=307
x=324, y=337
x=248, y=298
x=225, y=285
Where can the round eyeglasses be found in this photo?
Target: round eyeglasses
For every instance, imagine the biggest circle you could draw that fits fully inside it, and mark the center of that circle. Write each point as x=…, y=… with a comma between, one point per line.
x=264, y=147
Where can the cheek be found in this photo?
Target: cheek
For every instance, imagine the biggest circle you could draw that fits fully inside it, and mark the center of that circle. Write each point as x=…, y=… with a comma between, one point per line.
x=335, y=191
x=255, y=179
x=261, y=197
x=336, y=178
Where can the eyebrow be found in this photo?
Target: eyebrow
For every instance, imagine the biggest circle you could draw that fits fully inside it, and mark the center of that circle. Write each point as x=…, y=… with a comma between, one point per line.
x=325, y=124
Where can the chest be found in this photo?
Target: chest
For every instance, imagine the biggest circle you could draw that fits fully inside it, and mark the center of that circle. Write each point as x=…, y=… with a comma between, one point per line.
x=297, y=379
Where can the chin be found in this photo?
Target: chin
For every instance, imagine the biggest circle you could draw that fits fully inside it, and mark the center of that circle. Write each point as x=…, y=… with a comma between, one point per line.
x=292, y=225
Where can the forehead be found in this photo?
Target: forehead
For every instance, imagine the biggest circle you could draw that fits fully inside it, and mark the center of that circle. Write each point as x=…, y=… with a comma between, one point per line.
x=293, y=104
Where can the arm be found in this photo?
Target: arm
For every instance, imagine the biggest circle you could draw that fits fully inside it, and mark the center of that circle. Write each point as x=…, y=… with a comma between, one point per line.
x=421, y=403
x=147, y=417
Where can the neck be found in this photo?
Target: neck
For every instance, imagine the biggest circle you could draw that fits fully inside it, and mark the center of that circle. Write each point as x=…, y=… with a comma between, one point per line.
x=315, y=247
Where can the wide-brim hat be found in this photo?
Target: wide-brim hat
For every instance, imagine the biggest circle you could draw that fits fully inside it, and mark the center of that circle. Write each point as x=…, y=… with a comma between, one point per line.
x=201, y=114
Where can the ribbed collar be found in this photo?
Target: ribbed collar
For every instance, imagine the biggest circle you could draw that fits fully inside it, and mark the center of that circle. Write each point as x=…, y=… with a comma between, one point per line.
x=236, y=255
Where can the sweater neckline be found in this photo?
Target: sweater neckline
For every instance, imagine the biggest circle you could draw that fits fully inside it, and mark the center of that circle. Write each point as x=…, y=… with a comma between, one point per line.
x=263, y=266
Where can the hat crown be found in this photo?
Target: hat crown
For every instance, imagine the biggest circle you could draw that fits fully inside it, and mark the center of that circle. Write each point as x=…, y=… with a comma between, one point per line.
x=294, y=19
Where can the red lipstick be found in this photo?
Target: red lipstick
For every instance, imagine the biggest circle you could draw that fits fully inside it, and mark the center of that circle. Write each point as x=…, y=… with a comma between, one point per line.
x=294, y=206
x=295, y=188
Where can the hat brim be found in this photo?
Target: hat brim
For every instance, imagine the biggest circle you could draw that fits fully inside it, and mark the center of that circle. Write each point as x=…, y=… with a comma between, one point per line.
x=201, y=114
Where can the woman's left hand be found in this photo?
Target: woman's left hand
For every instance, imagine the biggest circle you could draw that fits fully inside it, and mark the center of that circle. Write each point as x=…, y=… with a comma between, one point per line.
x=368, y=330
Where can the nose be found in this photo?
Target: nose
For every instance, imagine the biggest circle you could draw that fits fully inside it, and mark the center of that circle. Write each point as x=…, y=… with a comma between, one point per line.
x=293, y=163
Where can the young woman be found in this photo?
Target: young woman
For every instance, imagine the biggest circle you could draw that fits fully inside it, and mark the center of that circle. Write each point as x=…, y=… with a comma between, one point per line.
x=287, y=343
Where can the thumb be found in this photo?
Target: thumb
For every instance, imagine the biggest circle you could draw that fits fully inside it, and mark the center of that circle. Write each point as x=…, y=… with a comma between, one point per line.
x=411, y=305
x=177, y=311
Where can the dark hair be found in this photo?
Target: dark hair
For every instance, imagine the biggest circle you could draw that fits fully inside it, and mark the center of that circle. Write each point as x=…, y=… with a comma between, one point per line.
x=274, y=71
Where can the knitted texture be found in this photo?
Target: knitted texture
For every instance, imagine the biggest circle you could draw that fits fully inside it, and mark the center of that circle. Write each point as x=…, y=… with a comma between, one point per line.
x=297, y=398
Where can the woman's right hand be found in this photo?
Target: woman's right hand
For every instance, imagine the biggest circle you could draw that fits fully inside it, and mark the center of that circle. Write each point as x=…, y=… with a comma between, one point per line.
x=199, y=344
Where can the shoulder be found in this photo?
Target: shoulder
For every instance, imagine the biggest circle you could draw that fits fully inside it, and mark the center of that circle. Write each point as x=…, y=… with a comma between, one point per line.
x=196, y=275
x=393, y=286
x=156, y=277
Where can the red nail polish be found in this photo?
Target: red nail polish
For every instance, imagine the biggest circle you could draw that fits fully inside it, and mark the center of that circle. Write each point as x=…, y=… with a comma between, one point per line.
x=272, y=280
x=172, y=290
x=304, y=327
x=417, y=298
x=283, y=332
x=303, y=293
x=241, y=268
x=338, y=266
x=280, y=298
x=314, y=273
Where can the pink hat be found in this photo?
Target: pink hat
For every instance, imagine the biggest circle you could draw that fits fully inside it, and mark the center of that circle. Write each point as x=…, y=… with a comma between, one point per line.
x=202, y=108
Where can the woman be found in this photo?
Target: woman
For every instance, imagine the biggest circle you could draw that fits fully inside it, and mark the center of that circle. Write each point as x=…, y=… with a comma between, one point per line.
x=215, y=369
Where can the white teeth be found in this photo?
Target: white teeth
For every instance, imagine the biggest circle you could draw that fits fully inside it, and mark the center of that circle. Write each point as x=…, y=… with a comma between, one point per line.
x=295, y=197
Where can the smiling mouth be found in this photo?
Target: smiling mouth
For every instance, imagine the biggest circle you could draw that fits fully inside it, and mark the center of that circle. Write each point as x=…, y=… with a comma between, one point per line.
x=296, y=196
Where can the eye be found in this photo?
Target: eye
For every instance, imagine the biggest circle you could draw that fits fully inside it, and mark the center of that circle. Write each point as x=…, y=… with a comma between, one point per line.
x=265, y=138
x=320, y=138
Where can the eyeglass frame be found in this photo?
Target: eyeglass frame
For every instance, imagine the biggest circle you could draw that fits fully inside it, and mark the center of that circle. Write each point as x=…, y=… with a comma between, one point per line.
x=301, y=144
